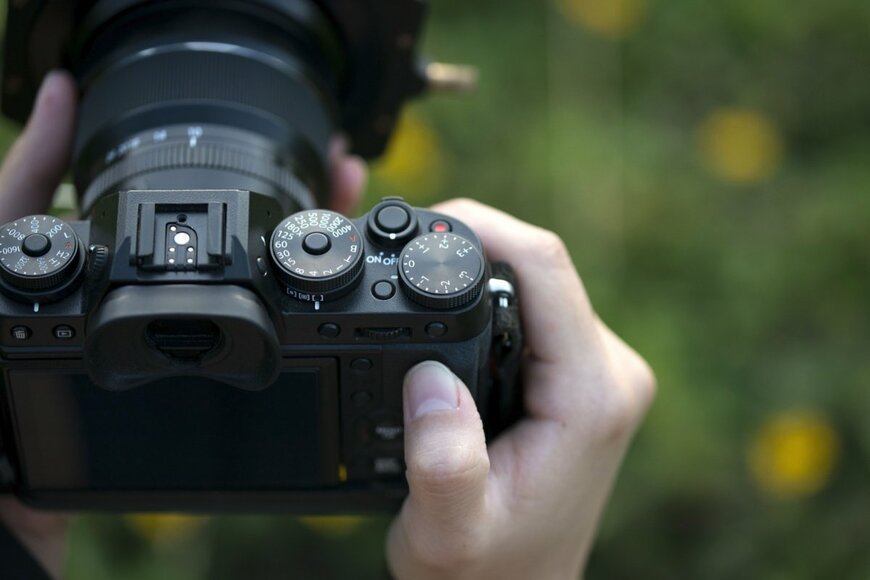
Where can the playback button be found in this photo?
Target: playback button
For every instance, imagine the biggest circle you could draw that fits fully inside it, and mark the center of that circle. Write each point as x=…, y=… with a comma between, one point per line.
x=64, y=332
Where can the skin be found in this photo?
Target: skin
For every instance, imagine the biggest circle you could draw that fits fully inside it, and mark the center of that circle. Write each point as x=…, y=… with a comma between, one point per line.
x=525, y=507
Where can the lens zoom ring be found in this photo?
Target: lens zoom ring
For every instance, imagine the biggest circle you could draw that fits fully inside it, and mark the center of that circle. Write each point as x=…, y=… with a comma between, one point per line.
x=204, y=156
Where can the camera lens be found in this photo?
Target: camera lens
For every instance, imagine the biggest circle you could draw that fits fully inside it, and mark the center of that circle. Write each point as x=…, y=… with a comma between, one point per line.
x=207, y=94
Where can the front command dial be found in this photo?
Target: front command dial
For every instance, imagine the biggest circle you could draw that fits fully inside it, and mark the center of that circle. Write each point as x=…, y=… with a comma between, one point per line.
x=442, y=271
x=38, y=253
x=318, y=254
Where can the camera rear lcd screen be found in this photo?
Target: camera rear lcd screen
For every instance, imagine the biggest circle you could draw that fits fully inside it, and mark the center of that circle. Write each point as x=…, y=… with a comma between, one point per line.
x=180, y=433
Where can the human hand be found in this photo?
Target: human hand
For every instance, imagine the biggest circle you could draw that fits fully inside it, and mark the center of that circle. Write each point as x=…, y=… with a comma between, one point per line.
x=31, y=173
x=528, y=506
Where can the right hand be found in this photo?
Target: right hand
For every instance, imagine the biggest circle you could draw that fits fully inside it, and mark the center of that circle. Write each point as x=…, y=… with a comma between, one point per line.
x=527, y=507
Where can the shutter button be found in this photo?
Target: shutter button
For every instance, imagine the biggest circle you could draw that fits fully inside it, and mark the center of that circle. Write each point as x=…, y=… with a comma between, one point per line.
x=393, y=219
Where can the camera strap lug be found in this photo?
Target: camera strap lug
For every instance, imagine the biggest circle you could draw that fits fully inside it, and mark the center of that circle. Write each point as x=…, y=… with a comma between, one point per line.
x=507, y=348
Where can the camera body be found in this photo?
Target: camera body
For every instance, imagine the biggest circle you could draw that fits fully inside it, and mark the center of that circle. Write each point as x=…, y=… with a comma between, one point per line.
x=207, y=338
x=199, y=351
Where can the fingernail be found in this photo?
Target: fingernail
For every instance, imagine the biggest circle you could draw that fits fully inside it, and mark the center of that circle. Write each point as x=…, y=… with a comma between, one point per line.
x=430, y=387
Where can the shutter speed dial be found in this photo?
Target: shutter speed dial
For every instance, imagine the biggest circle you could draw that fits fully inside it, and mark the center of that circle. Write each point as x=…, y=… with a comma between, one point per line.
x=318, y=254
x=38, y=253
x=442, y=271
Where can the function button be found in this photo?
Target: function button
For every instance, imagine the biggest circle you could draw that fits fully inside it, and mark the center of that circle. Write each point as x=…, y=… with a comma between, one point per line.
x=388, y=466
x=36, y=245
x=64, y=332
x=436, y=329
x=20, y=333
x=361, y=398
x=329, y=330
x=316, y=244
x=383, y=290
x=388, y=430
x=393, y=219
x=440, y=227
x=361, y=364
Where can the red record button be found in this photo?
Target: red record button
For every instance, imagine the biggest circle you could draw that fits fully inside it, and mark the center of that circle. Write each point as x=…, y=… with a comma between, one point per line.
x=440, y=227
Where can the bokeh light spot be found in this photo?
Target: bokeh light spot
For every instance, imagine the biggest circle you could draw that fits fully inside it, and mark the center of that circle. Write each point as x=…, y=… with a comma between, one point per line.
x=414, y=161
x=332, y=526
x=164, y=528
x=794, y=454
x=740, y=145
x=614, y=19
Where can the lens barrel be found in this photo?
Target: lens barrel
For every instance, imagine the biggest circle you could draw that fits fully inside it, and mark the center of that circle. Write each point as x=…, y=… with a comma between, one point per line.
x=217, y=94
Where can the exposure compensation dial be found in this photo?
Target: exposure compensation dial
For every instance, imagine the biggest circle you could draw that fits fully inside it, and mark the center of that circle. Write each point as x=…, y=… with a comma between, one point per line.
x=442, y=271
x=318, y=254
x=38, y=253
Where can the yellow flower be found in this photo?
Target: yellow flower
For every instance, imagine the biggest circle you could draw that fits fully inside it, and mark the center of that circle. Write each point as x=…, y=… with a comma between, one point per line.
x=613, y=19
x=414, y=162
x=164, y=528
x=333, y=526
x=794, y=454
x=741, y=146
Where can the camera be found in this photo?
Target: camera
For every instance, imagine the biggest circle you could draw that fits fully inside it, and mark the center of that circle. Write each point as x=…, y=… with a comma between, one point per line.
x=210, y=337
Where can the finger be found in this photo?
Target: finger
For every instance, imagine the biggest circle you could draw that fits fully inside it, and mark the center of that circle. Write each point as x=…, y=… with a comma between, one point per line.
x=43, y=534
x=447, y=469
x=38, y=160
x=558, y=319
x=348, y=176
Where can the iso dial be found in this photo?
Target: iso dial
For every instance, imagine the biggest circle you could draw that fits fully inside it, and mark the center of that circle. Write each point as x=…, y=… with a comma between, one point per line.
x=38, y=253
x=441, y=271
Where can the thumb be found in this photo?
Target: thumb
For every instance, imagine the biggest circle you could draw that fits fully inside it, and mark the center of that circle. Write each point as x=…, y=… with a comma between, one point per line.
x=38, y=160
x=447, y=470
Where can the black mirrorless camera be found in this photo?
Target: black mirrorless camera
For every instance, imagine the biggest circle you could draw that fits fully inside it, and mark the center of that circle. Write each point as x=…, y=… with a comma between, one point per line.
x=210, y=338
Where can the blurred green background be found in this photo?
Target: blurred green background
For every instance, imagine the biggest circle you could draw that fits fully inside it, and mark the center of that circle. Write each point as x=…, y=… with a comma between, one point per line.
x=707, y=165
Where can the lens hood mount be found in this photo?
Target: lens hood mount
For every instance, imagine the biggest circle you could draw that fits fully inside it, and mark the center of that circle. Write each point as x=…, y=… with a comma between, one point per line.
x=375, y=41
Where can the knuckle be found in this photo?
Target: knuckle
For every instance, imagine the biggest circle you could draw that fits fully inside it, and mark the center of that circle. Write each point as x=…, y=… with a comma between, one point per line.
x=553, y=250
x=619, y=412
x=645, y=384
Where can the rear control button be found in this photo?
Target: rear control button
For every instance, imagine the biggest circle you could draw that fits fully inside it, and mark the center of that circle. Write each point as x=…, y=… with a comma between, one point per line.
x=20, y=333
x=388, y=466
x=361, y=364
x=383, y=290
x=64, y=332
x=361, y=398
x=388, y=430
x=436, y=329
x=329, y=330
